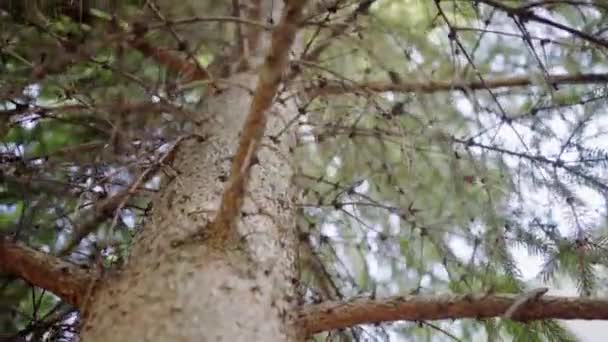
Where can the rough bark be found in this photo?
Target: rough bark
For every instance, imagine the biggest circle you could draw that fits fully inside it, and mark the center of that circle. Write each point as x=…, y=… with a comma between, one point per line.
x=197, y=292
x=177, y=288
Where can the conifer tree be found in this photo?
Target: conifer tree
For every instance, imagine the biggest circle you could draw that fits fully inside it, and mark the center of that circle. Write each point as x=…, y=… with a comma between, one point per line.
x=267, y=170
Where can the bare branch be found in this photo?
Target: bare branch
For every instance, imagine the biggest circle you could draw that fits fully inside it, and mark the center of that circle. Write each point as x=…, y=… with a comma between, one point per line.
x=340, y=88
x=270, y=78
x=64, y=279
x=217, y=19
x=113, y=205
x=526, y=13
x=343, y=314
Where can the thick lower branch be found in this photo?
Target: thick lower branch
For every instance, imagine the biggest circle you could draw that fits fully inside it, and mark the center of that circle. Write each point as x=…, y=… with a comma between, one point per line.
x=64, y=279
x=341, y=88
x=343, y=314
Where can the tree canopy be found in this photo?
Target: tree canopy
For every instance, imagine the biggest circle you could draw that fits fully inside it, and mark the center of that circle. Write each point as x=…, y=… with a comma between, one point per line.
x=443, y=147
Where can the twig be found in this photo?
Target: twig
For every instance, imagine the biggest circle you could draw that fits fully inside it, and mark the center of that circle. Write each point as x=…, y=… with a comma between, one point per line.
x=527, y=297
x=144, y=177
x=113, y=204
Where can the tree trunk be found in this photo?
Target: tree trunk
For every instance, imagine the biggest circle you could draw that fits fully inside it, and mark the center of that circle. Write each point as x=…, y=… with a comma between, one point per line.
x=177, y=288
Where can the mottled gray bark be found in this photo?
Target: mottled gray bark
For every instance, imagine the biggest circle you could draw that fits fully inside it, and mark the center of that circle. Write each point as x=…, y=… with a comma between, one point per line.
x=175, y=288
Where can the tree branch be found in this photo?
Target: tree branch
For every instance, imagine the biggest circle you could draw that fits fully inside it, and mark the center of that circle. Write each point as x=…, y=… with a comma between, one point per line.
x=66, y=280
x=526, y=13
x=340, y=88
x=190, y=71
x=343, y=314
x=271, y=74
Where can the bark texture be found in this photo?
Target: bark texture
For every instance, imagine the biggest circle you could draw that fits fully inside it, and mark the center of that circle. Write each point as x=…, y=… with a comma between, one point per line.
x=178, y=288
x=196, y=292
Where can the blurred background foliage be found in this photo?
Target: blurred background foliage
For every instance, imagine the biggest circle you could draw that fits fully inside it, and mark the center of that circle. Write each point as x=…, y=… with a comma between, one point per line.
x=402, y=192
